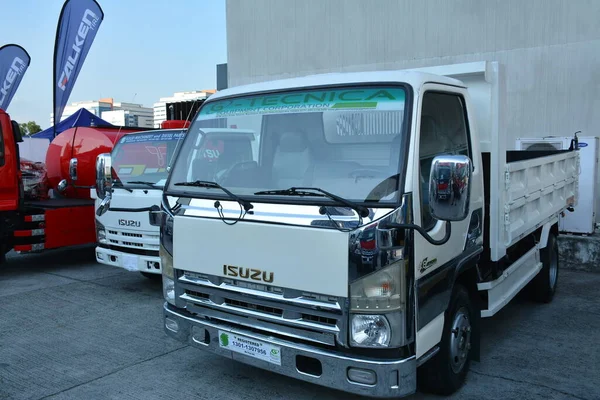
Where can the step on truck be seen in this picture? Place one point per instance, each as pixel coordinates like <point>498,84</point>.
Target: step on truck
<point>65,218</point>
<point>264,262</point>
<point>126,207</point>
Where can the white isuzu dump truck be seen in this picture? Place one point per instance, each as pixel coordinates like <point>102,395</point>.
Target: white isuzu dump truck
<point>333,251</point>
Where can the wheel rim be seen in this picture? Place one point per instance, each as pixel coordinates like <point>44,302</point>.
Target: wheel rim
<point>460,340</point>
<point>553,269</point>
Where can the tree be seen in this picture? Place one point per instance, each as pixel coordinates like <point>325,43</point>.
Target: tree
<point>30,128</point>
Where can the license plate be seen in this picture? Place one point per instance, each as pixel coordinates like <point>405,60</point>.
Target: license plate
<point>130,262</point>
<point>250,347</point>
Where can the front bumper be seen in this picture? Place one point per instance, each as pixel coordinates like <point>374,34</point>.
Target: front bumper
<point>128,261</point>
<point>394,378</point>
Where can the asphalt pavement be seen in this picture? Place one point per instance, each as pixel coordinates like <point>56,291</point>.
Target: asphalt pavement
<point>74,329</point>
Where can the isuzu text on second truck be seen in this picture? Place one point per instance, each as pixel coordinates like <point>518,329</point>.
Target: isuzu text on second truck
<point>264,259</point>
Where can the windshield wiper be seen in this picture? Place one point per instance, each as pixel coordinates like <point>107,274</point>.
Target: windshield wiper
<point>208,184</point>
<point>362,211</point>
<point>151,184</point>
<point>119,184</point>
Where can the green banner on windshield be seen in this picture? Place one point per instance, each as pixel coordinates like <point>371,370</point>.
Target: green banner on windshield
<point>308,101</point>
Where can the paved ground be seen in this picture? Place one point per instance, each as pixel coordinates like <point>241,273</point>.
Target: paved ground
<point>73,329</point>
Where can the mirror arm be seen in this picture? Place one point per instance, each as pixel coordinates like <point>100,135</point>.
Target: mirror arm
<point>422,232</point>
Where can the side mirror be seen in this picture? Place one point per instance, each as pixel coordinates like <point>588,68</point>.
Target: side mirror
<point>62,185</point>
<point>103,175</point>
<point>73,169</point>
<point>449,187</point>
<point>104,205</point>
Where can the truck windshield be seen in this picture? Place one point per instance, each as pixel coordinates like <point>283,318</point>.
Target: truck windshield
<point>347,141</point>
<point>141,159</point>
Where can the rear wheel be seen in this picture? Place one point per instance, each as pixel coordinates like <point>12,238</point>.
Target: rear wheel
<point>446,371</point>
<point>543,286</point>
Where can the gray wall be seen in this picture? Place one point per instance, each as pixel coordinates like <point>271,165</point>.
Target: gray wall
<point>550,49</point>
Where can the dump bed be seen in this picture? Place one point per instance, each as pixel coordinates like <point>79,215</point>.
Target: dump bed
<point>537,190</point>
<point>523,189</point>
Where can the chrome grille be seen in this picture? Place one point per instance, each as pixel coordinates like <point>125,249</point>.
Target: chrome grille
<point>136,235</point>
<point>304,316</point>
<point>133,239</point>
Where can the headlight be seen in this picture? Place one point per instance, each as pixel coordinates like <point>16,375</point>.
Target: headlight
<point>380,291</point>
<point>377,303</point>
<point>168,289</point>
<point>100,233</point>
<point>168,276</point>
<point>370,331</point>
<point>166,261</point>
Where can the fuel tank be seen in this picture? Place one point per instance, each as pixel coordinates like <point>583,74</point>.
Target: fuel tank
<point>84,144</point>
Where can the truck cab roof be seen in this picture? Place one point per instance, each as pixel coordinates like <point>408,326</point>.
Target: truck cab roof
<point>414,78</point>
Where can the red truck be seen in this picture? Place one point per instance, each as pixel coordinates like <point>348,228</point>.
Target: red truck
<point>67,217</point>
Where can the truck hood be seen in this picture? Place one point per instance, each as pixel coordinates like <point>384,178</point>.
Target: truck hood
<point>255,250</point>
<point>133,221</point>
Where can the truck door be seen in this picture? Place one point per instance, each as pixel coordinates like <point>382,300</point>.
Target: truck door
<point>443,129</point>
<point>9,165</point>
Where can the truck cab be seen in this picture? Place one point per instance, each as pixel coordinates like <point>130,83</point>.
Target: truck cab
<point>330,256</point>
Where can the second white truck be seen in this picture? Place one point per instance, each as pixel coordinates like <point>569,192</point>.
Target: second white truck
<point>379,218</point>
<point>125,209</point>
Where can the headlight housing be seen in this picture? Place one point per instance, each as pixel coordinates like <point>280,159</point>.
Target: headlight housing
<point>166,258</point>
<point>377,304</point>
<point>370,330</point>
<point>100,233</point>
<point>168,275</point>
<point>380,291</point>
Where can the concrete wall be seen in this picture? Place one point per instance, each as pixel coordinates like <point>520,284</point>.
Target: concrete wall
<point>550,49</point>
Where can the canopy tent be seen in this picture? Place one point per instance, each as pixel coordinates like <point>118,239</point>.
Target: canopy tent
<point>81,118</point>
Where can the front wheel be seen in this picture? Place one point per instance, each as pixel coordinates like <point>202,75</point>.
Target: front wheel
<point>445,373</point>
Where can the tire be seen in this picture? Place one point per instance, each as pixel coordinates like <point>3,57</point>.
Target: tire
<point>152,277</point>
<point>445,373</point>
<point>543,286</point>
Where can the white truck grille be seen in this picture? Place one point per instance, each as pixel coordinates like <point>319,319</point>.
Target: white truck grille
<point>136,240</point>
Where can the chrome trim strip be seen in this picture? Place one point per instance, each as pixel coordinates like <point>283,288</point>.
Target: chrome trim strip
<point>258,314</point>
<point>273,328</point>
<point>298,301</point>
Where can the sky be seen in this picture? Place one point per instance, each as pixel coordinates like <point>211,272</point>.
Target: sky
<point>144,50</point>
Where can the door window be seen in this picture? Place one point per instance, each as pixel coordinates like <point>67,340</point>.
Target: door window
<point>444,131</point>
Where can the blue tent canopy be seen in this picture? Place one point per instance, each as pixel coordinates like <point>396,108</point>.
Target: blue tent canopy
<point>81,118</point>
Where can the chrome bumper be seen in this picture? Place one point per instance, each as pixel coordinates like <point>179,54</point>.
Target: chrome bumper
<point>393,378</point>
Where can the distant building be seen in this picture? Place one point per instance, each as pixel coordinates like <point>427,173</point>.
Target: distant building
<point>117,113</point>
<point>128,118</point>
<point>160,108</point>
